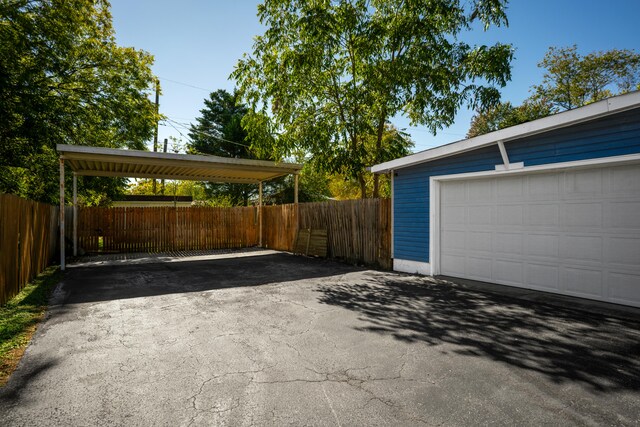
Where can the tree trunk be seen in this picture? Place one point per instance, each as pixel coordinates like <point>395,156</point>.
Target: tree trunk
<point>376,186</point>
<point>363,187</point>
<point>376,178</point>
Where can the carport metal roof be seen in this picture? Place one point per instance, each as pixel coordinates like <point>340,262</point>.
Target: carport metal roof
<point>96,161</point>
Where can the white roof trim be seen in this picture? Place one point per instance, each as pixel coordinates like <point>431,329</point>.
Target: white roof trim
<point>588,112</point>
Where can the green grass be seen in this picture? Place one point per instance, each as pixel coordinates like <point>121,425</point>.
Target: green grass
<point>20,316</point>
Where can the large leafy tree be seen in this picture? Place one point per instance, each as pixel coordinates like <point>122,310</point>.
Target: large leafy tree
<point>328,76</point>
<point>63,79</point>
<point>570,80</point>
<point>218,131</point>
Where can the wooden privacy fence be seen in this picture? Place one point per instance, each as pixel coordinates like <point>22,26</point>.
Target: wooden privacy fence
<point>28,242</point>
<point>358,231</point>
<point>154,229</point>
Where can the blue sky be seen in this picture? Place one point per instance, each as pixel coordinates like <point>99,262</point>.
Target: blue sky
<point>196,44</point>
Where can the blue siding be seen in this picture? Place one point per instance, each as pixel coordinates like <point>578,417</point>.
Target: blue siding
<point>611,136</point>
<point>411,198</point>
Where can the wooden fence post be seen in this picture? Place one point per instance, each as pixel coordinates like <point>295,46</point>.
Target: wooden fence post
<point>62,255</point>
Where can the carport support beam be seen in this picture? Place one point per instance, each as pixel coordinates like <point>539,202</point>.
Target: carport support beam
<point>260,212</point>
<point>295,189</point>
<point>75,215</point>
<point>62,214</point>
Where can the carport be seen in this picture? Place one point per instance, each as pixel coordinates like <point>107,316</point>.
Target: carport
<point>98,161</point>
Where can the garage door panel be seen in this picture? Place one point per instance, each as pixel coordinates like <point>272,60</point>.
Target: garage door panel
<point>543,245</point>
<point>544,215</point>
<point>510,189</point>
<point>509,272</point>
<point>479,241</point>
<point>584,282</point>
<point>454,193</point>
<point>624,215</point>
<point>454,215</point>
<point>583,183</point>
<point>454,265</point>
<point>571,232</point>
<point>623,250</point>
<point>624,287</point>
<point>582,215</point>
<point>625,179</point>
<point>543,276</point>
<point>480,191</point>
<point>481,215</point>
<point>478,268</point>
<point>456,240</point>
<point>582,248</point>
<point>544,187</point>
<point>507,243</point>
<point>511,215</point>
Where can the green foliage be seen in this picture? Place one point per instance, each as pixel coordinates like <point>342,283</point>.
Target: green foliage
<point>63,79</point>
<point>505,114</point>
<point>194,189</point>
<point>19,317</point>
<point>219,132</point>
<point>572,80</point>
<point>327,76</point>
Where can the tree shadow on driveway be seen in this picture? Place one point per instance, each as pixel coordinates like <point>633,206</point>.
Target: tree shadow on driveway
<point>108,283</point>
<point>597,350</point>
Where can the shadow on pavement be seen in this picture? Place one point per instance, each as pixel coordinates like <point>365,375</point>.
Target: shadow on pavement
<point>565,345</point>
<point>115,282</point>
<point>22,377</point>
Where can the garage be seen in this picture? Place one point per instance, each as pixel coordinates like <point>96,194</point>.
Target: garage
<point>550,205</point>
<point>573,232</point>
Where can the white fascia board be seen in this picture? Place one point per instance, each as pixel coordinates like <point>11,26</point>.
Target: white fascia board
<point>566,118</point>
<point>547,167</point>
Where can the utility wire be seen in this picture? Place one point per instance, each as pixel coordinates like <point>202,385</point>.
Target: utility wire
<point>185,84</point>
<point>184,126</point>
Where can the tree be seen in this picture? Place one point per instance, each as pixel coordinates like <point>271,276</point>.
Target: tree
<point>505,114</point>
<point>572,80</point>
<point>328,76</point>
<point>63,79</point>
<point>219,132</point>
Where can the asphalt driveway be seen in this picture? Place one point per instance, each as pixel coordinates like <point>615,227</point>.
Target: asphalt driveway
<point>263,338</point>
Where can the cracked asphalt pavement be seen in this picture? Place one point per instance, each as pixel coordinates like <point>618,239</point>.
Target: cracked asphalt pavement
<point>267,338</point>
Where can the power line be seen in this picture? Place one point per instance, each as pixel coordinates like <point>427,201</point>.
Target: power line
<point>182,125</point>
<point>178,130</point>
<point>185,84</point>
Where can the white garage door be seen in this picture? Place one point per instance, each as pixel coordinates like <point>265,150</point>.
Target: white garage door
<point>575,232</point>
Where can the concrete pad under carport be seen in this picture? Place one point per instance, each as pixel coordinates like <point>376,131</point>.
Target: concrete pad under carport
<point>274,339</point>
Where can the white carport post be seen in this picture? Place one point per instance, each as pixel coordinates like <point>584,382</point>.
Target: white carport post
<point>62,214</point>
<point>75,214</point>
<point>260,212</point>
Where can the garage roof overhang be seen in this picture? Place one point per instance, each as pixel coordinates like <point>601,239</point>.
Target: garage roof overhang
<point>589,112</point>
<point>96,161</point>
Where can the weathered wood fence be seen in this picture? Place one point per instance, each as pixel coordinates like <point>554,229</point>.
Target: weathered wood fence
<point>155,229</point>
<point>358,231</point>
<point>28,242</point>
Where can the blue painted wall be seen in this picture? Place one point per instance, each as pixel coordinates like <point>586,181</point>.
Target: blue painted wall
<point>611,136</point>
